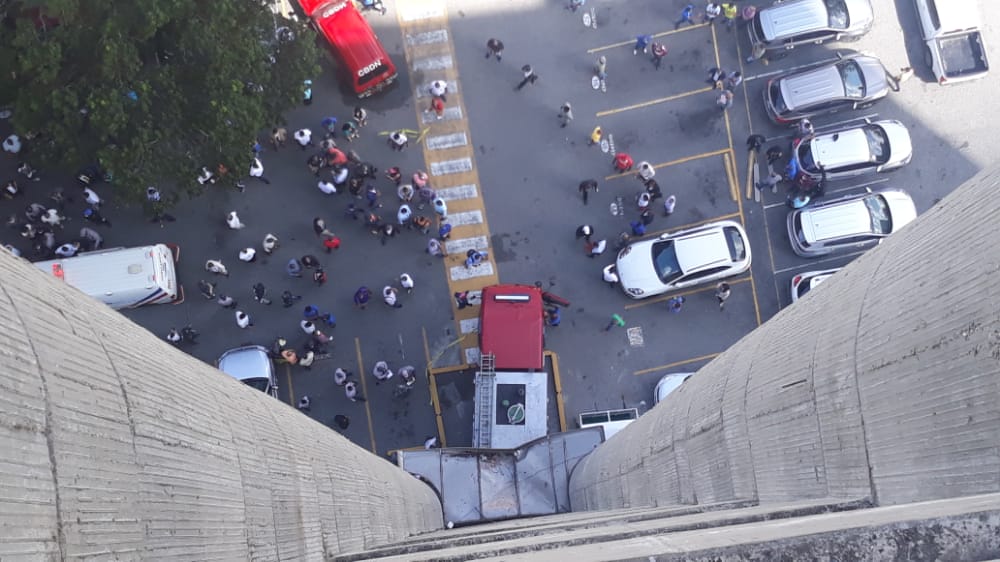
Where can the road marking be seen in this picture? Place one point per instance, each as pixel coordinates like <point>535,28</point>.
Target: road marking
<point>364,390</point>
<point>654,102</point>
<point>451,113</point>
<point>469,325</point>
<point>461,273</point>
<point>463,245</point>
<point>557,380</point>
<point>676,364</point>
<point>465,218</point>
<point>471,355</point>
<point>875,181</point>
<point>728,159</point>
<point>424,91</point>
<point>443,167</point>
<point>667,296</point>
<point>432,389</point>
<point>792,69</point>
<point>635,338</point>
<point>812,262</point>
<point>420,11</point>
<point>291,390</point>
<point>671,163</point>
<point>467,191</point>
<point>657,35</point>
<point>428,37</point>
<point>433,63</point>
<point>441,142</point>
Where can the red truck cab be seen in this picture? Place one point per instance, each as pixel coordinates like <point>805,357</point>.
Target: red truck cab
<point>361,60</point>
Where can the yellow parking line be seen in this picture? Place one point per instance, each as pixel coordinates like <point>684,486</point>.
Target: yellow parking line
<point>291,389</point>
<point>558,384</point>
<point>675,364</point>
<point>653,102</point>
<point>432,388</point>
<point>728,162</point>
<point>753,291</point>
<point>647,302</point>
<point>655,36</point>
<point>364,390</point>
<point>656,233</point>
<point>672,163</point>
<point>751,162</point>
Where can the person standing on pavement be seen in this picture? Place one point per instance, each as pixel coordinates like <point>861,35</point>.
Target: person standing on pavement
<point>398,140</point>
<point>712,11</point>
<point>351,391</point>
<point>226,301</point>
<point>729,14</point>
<point>601,68</point>
<point>340,376</point>
<point>586,186</point>
<point>437,106</point>
<point>439,89</point>
<point>722,292</point>
<point>595,136</point>
<point>668,205</point>
<point>304,138</point>
<point>646,171</point>
<point>248,255</point>
<point>733,80</point>
<point>529,76</point>
<point>675,303</point>
<point>494,48</point>
<point>319,277</point>
<point>381,372</point>
<point>319,227</point>
<point>331,243</point>
<point>257,171</point>
<point>406,282</point>
<point>584,231</point>
<point>293,268</point>
<point>270,243</point>
<point>641,44</point>
<point>611,276</point>
<point>342,421</point>
<point>233,221</point>
<point>686,16</point>
<point>391,296</point>
<point>243,319</point>
<point>565,114</point>
<point>360,116</point>
<point>93,215</point>
<point>724,101</point>
<point>362,296</point>
<point>279,136</point>
<point>659,51</point>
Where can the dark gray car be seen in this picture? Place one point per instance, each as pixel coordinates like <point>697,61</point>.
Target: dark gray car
<point>853,82</point>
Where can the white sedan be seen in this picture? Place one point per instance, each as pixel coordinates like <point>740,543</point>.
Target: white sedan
<point>682,259</point>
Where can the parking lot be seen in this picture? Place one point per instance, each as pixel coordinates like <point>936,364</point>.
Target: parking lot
<point>512,184</point>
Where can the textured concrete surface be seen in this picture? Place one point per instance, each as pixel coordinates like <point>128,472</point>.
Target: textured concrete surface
<point>116,445</point>
<point>882,384</point>
<point>956,529</point>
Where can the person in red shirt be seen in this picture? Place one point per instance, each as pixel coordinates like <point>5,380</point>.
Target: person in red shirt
<point>623,162</point>
<point>331,243</point>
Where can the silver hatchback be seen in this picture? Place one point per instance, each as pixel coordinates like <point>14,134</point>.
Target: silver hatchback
<point>853,82</point>
<point>795,22</point>
<point>853,222</point>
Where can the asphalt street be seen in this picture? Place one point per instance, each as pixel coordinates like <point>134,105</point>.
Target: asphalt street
<point>527,170</point>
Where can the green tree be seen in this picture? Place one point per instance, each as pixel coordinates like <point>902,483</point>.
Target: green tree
<point>151,89</point>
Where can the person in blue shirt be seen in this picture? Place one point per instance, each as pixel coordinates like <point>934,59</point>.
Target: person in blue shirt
<point>686,14</point>
<point>641,44</point>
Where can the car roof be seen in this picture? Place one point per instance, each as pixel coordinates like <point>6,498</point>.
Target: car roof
<point>957,14</point>
<point>793,18</point>
<point>809,87</point>
<point>247,363</point>
<point>837,220</point>
<point>841,148</point>
<point>701,249</point>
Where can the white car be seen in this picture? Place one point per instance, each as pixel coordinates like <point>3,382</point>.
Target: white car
<point>252,366</point>
<point>683,259</point>
<point>805,282</point>
<point>668,384</point>
<point>874,147</point>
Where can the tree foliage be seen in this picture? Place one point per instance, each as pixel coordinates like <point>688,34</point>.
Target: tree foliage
<point>151,89</point>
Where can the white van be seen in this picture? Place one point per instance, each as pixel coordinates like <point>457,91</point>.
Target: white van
<point>612,421</point>
<point>122,277</point>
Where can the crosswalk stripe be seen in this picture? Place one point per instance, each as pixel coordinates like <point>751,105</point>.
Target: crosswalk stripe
<point>466,218</point>
<point>441,142</point>
<point>428,37</point>
<point>467,191</point>
<point>416,11</point>
<point>469,325</point>
<point>424,91</point>
<point>471,355</point>
<point>451,113</point>
<point>463,245</point>
<point>451,166</point>
<point>433,63</point>
<point>460,272</point>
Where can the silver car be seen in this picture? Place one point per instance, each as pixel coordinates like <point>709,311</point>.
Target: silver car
<point>850,223</point>
<point>786,24</point>
<point>877,146</point>
<point>853,82</point>
<point>252,366</point>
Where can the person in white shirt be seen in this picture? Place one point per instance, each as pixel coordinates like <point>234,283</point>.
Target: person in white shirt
<point>646,171</point>
<point>303,137</point>
<point>340,376</point>
<point>248,255</point>
<point>174,336</point>
<point>611,275</point>
<point>404,214</point>
<point>257,171</point>
<point>68,249</point>
<point>204,176</point>
<point>243,319</point>
<point>92,198</point>
<point>439,88</point>
<point>308,327</point>
<point>52,218</point>
<point>389,296</point>
<point>233,220</point>
<point>351,391</point>
<point>398,140</point>
<point>327,187</point>
<point>381,372</point>
<point>340,175</point>
<point>215,266</point>
<point>597,248</point>
<point>12,144</point>
<point>270,242</point>
<point>307,359</point>
<point>407,282</point>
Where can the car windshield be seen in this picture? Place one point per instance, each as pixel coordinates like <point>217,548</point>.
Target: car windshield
<point>260,384</point>
<point>854,80</point>
<point>780,106</point>
<point>805,155</point>
<point>737,249</point>
<point>878,144</point>
<point>665,261</point>
<point>878,208</point>
<point>837,10</point>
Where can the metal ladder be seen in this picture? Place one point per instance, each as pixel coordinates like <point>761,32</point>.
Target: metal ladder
<point>485,379</point>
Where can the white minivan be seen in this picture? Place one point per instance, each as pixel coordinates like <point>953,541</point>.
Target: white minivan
<point>122,277</point>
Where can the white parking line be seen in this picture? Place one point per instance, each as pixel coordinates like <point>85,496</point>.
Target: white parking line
<point>469,325</point>
<point>466,218</point>
<point>792,69</point>
<point>812,263</point>
<point>467,191</point>
<point>428,37</point>
<point>463,245</point>
<point>460,272</point>
<point>433,63</point>
<point>472,355</point>
<point>441,142</point>
<point>420,12</point>
<point>880,179</point>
